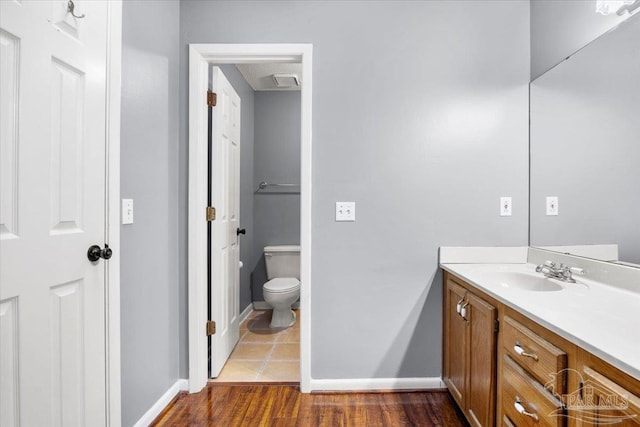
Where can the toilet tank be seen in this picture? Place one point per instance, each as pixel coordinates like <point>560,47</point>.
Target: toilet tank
<point>282,261</point>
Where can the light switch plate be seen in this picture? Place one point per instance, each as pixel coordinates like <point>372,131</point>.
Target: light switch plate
<point>127,211</point>
<point>505,206</point>
<point>345,211</point>
<point>552,205</point>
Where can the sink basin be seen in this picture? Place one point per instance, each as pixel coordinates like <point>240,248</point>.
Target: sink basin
<point>523,281</point>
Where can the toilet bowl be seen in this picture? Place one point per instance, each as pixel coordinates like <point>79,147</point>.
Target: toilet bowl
<point>283,287</point>
<point>280,294</point>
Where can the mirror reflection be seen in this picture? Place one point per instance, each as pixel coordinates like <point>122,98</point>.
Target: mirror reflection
<point>585,150</point>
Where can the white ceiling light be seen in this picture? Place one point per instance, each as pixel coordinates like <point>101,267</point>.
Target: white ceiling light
<point>286,80</point>
<point>607,7</point>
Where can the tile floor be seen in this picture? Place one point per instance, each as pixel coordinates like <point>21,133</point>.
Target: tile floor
<point>264,354</point>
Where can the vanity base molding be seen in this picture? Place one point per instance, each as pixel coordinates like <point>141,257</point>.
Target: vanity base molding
<point>502,368</point>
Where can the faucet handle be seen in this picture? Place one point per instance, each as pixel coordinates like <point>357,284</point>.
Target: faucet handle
<point>550,264</point>
<point>577,270</point>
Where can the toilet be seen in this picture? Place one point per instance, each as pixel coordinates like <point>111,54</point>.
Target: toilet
<point>283,287</point>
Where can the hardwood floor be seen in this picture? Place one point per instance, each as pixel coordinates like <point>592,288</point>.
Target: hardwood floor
<point>231,405</point>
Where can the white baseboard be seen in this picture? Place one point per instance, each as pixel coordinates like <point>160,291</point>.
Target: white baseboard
<point>362,384</point>
<point>162,403</point>
<point>246,312</point>
<point>263,305</point>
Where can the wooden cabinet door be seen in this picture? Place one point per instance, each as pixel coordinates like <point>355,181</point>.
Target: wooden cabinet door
<point>481,383</point>
<point>455,343</point>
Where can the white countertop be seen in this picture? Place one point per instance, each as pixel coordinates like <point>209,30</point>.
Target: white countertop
<point>602,319</point>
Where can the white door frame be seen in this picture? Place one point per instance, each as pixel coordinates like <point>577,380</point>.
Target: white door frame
<point>200,57</point>
<point>112,281</point>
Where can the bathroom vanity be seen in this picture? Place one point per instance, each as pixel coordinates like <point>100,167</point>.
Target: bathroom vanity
<point>521,349</point>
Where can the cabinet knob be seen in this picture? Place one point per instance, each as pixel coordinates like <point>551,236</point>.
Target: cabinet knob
<point>521,410</point>
<point>463,310</point>
<point>521,351</point>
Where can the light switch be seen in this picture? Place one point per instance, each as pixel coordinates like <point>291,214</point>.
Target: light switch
<point>505,206</point>
<point>345,211</point>
<point>552,205</point>
<point>127,211</point>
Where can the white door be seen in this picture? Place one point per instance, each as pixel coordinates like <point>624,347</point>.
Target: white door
<point>52,208</point>
<point>225,197</point>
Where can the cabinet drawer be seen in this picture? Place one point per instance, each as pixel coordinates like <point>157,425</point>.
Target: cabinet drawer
<point>616,405</point>
<point>506,422</point>
<point>525,401</point>
<point>542,359</point>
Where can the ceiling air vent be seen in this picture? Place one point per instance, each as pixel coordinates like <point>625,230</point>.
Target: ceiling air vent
<point>286,80</point>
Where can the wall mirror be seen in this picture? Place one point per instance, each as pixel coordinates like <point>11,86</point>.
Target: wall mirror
<point>585,150</point>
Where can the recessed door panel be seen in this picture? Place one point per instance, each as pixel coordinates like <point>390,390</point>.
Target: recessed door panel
<point>67,348</point>
<point>10,401</point>
<point>66,148</point>
<point>64,21</point>
<point>9,107</point>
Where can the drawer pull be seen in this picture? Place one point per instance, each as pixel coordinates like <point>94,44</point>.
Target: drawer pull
<point>523,411</point>
<point>459,305</point>
<point>518,349</point>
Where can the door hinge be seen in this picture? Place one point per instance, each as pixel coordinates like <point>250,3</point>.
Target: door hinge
<point>496,325</point>
<point>211,213</point>
<point>211,328</point>
<point>212,99</point>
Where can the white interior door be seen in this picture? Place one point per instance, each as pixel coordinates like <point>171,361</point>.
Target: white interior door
<point>52,208</point>
<point>225,196</point>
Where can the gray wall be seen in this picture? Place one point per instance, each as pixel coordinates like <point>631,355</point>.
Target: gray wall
<point>149,152</point>
<point>561,27</point>
<point>584,146</point>
<point>247,109</point>
<point>277,153</point>
<point>420,116</point>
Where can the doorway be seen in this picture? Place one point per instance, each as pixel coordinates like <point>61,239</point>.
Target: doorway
<point>262,112</point>
<point>200,58</point>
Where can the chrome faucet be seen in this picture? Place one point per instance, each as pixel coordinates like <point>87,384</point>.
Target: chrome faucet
<point>563,272</point>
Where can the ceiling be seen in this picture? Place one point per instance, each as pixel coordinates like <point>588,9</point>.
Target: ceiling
<point>259,76</point>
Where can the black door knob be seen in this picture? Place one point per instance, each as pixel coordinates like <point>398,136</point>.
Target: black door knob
<point>95,253</point>
<point>107,252</point>
<point>240,231</point>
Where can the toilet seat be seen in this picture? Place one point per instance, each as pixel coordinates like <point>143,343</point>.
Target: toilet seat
<point>281,285</point>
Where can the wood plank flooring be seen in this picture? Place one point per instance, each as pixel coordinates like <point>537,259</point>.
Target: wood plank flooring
<point>231,405</point>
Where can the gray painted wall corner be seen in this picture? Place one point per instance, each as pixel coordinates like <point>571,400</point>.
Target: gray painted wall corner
<point>150,335</point>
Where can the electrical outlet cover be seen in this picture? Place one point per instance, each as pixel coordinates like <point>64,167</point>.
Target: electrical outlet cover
<point>505,206</point>
<point>552,205</point>
<point>127,211</point>
<point>345,211</point>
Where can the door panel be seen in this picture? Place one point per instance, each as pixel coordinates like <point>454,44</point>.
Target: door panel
<point>482,361</point>
<point>225,188</point>
<point>52,208</point>
<point>9,149</point>
<point>67,344</point>
<point>66,148</point>
<point>455,344</point>
<point>9,359</point>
